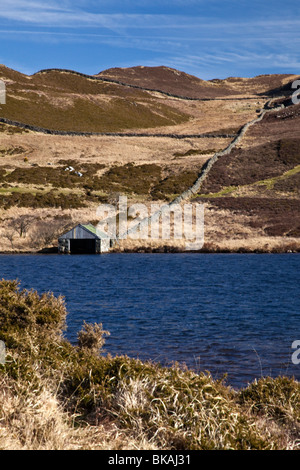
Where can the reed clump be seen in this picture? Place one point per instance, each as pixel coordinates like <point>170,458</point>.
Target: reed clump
<point>58,395</point>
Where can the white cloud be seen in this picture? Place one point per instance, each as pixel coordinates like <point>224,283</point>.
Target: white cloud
<point>224,64</point>
<point>200,45</point>
<point>69,14</point>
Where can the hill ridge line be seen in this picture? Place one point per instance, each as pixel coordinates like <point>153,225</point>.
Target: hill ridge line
<point>117,82</point>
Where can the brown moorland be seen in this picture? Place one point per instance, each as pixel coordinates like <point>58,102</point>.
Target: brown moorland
<point>250,195</point>
<point>179,83</point>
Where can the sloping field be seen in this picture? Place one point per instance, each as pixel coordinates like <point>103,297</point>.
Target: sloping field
<point>69,102</point>
<point>180,83</point>
<point>168,80</point>
<point>259,183</point>
<point>268,85</point>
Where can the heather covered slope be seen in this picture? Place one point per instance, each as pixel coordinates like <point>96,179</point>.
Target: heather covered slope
<point>119,100</point>
<point>64,101</point>
<point>180,83</point>
<point>167,80</point>
<point>259,182</point>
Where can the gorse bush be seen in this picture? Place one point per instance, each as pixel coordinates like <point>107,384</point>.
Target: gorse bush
<point>11,130</point>
<point>23,310</point>
<point>278,398</point>
<point>51,388</point>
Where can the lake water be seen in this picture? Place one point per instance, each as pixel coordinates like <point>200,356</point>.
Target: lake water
<point>226,313</point>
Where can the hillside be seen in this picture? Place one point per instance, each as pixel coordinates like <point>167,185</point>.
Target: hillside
<point>180,83</point>
<point>260,182</point>
<point>151,146</point>
<point>70,102</point>
<point>168,80</point>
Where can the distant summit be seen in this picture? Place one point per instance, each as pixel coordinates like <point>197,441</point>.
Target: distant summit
<point>168,80</point>
<point>179,83</point>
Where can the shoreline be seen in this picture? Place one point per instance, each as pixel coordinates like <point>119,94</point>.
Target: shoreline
<point>72,396</point>
<point>162,250</point>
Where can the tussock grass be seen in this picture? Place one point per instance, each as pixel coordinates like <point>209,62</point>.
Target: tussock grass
<point>54,395</point>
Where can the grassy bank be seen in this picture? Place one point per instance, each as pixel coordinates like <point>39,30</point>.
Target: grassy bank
<point>55,395</point>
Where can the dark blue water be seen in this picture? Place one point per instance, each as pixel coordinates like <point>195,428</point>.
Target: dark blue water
<point>235,314</point>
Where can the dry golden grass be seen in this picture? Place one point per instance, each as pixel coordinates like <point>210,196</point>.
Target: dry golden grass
<point>30,419</point>
<point>33,419</point>
<point>37,420</point>
<point>43,149</point>
<point>54,395</point>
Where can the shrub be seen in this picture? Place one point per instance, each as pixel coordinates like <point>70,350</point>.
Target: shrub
<point>194,152</point>
<point>23,311</point>
<point>50,199</point>
<point>91,337</point>
<point>278,398</point>
<point>174,184</point>
<point>11,130</point>
<point>128,178</point>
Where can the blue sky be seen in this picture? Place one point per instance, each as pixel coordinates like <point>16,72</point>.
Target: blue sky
<point>209,39</point>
